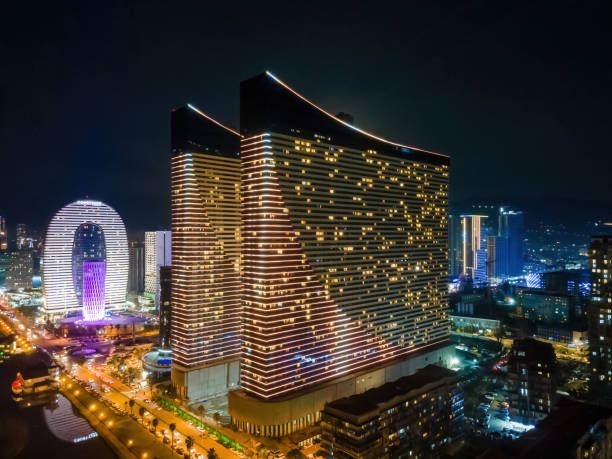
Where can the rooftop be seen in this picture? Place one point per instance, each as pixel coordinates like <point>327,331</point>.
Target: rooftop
<point>365,402</point>
<point>557,435</point>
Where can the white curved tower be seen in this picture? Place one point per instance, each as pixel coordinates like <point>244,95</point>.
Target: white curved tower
<point>58,255</point>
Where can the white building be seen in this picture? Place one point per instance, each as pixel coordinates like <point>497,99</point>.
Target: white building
<point>60,291</point>
<point>157,253</point>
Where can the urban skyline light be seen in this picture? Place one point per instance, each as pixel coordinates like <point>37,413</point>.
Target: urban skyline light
<point>306,231</point>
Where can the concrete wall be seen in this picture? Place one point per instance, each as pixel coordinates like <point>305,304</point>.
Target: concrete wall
<point>202,383</point>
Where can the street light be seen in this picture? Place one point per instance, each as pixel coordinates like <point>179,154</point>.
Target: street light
<point>130,442</point>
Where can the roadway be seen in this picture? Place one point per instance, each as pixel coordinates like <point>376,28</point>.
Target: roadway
<point>122,394</point>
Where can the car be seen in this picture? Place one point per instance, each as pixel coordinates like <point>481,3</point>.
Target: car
<point>166,440</point>
<point>179,450</point>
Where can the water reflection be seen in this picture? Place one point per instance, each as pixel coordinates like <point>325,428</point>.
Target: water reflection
<point>65,423</point>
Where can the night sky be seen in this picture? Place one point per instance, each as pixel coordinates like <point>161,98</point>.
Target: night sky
<point>518,94</point>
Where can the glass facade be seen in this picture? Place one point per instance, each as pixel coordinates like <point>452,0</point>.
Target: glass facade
<point>88,245</point>
<point>93,290</point>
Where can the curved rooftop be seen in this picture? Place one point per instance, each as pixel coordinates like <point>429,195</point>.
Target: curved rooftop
<point>267,104</point>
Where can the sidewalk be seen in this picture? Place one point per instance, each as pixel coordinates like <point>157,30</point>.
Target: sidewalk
<point>165,418</point>
<point>127,439</point>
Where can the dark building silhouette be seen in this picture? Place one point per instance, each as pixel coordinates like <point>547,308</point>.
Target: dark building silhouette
<point>136,279</point>
<point>165,305</point>
<point>600,318</point>
<point>531,379</point>
<point>572,430</point>
<point>19,270</point>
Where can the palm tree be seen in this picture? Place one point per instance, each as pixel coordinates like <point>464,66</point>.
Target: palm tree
<point>201,411</point>
<point>172,429</point>
<point>216,417</point>
<point>141,411</point>
<point>189,445</point>
<point>131,405</point>
<point>155,422</point>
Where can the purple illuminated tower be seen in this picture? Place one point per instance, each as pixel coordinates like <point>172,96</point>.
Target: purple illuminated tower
<point>94,276</point>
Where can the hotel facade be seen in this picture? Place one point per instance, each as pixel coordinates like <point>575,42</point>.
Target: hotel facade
<point>85,260</point>
<point>344,259</point>
<point>205,286</point>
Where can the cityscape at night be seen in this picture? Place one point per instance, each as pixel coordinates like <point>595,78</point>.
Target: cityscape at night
<point>335,231</point>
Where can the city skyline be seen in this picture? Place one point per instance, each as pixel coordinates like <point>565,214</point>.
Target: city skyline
<point>467,87</point>
<point>294,231</point>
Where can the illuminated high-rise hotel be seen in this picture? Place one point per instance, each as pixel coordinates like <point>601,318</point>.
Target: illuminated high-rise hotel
<point>205,306</point>
<point>345,259</point>
<point>85,260</point>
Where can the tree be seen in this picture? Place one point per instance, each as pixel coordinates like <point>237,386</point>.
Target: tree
<point>150,382</point>
<point>201,410</point>
<point>216,417</point>
<point>172,429</point>
<point>155,423</point>
<point>500,332</point>
<point>131,405</point>
<point>212,454</point>
<point>132,374</point>
<point>189,444</point>
<point>141,411</point>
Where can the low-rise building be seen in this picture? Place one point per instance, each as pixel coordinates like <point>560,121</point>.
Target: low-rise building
<point>561,333</point>
<point>531,367</point>
<point>37,379</point>
<point>546,306</point>
<point>473,314</point>
<point>412,416</point>
<point>469,324</point>
<point>572,430</point>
